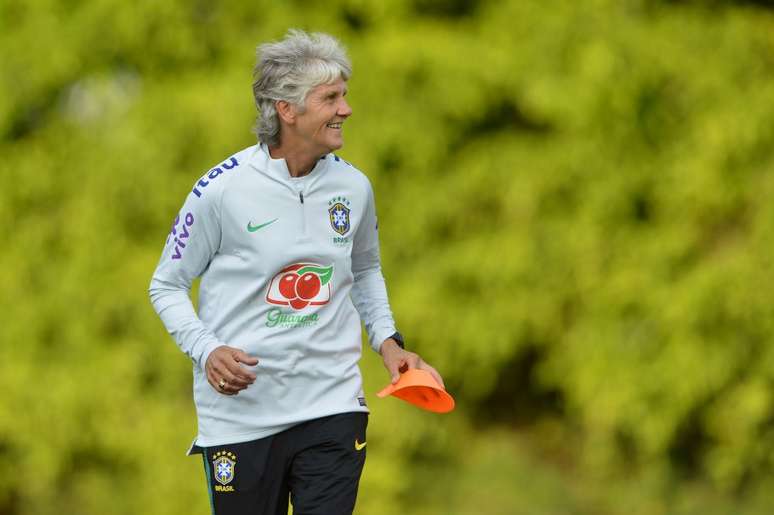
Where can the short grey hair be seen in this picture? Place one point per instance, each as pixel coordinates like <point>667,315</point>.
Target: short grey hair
<point>288,69</point>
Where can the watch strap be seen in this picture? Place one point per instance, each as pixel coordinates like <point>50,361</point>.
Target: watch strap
<point>398,339</point>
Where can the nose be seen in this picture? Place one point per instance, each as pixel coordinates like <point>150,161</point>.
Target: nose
<point>344,109</point>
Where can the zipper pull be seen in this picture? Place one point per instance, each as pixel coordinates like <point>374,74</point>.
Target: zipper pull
<point>301,197</point>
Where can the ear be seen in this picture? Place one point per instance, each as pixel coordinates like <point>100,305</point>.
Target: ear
<point>286,111</point>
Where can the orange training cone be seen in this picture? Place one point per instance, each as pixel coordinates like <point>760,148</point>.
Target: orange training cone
<point>420,389</point>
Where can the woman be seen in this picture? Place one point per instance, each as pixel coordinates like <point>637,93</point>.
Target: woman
<point>284,237</point>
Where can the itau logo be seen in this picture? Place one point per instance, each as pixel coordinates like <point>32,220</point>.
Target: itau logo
<point>301,285</point>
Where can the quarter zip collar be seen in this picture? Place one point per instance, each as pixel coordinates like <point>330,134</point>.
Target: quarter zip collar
<point>277,169</point>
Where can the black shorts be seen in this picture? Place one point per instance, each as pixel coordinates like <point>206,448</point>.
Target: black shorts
<point>317,464</point>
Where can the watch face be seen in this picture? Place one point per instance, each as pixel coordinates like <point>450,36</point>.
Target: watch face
<point>398,338</point>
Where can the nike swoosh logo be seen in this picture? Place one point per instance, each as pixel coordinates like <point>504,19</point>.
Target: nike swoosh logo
<point>359,446</point>
<point>253,228</point>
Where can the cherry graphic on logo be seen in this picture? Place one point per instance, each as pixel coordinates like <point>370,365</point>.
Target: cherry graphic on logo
<point>308,286</point>
<point>299,303</point>
<point>300,285</point>
<point>287,285</point>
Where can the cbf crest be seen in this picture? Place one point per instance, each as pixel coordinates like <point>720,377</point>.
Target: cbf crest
<point>338,213</point>
<point>224,464</point>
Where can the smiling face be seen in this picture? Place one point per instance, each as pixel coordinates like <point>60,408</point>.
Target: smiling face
<point>319,128</point>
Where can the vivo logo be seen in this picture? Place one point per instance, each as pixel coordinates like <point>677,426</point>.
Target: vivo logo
<point>181,234</point>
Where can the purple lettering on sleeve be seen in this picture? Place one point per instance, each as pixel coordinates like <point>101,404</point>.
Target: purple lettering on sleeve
<point>213,174</point>
<point>183,234</point>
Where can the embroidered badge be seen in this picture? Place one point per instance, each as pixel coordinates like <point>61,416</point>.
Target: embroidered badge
<point>224,464</point>
<point>338,214</point>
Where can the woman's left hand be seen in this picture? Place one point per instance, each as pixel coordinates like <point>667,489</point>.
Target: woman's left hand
<point>397,360</point>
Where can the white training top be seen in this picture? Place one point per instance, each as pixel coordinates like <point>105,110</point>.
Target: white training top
<point>286,265</point>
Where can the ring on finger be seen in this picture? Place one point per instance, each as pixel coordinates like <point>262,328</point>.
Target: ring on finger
<point>222,383</point>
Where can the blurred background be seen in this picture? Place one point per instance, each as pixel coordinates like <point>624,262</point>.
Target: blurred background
<point>576,224</point>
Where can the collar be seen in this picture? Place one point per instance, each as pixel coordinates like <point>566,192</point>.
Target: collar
<point>262,161</point>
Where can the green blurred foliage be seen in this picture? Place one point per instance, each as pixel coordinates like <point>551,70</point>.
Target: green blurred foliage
<point>574,203</point>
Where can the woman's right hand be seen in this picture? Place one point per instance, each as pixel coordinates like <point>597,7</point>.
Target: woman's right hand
<point>225,371</point>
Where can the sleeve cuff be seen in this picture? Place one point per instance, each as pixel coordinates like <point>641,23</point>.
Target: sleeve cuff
<point>379,336</point>
<point>206,353</point>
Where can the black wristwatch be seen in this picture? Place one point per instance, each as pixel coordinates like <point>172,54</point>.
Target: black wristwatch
<point>398,339</point>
